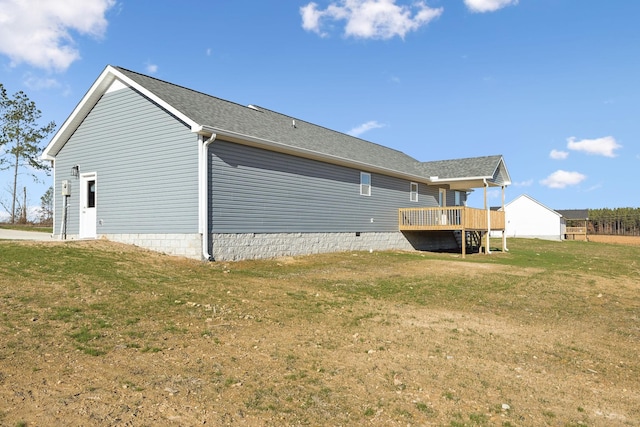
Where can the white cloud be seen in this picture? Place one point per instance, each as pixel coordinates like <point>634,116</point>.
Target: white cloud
<point>481,6</point>
<point>151,68</point>
<point>38,32</point>
<point>558,155</point>
<point>369,19</point>
<point>494,194</point>
<point>311,18</point>
<point>365,127</point>
<point>562,179</point>
<point>527,183</point>
<point>38,83</point>
<point>601,146</point>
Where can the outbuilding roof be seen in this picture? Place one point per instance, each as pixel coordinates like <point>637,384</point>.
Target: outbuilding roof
<point>579,214</point>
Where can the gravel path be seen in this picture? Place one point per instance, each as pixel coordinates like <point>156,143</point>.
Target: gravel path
<point>24,235</point>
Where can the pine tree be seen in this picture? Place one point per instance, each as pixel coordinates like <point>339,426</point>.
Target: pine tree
<point>20,136</point>
<point>46,207</point>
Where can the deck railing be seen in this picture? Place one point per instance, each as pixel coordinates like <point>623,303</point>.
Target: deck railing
<point>449,218</point>
<point>575,233</point>
<point>576,230</point>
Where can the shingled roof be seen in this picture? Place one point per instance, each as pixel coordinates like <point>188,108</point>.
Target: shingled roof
<point>217,115</point>
<point>262,123</point>
<point>468,167</point>
<point>577,214</point>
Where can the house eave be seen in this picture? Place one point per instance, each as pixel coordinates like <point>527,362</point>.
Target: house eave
<point>279,147</point>
<point>466,183</point>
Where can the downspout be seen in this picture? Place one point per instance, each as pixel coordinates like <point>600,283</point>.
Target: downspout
<point>486,205</point>
<point>204,196</point>
<point>53,214</point>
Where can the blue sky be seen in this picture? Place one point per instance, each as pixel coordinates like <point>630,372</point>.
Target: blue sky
<point>552,85</point>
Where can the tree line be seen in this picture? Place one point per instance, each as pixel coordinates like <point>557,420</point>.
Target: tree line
<point>618,221</point>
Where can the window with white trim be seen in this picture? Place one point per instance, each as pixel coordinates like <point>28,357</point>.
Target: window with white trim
<point>413,192</point>
<point>365,184</point>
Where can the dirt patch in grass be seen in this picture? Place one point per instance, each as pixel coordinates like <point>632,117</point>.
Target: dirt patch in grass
<point>95,333</point>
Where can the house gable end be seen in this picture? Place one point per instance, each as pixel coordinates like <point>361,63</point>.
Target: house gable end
<point>144,172</point>
<point>531,201</point>
<point>501,175</point>
<point>111,79</point>
<point>467,173</point>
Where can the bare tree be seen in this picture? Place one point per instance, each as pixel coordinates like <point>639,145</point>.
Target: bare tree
<point>21,136</point>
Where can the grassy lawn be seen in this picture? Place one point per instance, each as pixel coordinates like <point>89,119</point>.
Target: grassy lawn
<point>26,227</point>
<point>96,333</point>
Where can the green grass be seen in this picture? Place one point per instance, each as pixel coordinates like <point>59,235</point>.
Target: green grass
<point>100,300</point>
<point>115,285</point>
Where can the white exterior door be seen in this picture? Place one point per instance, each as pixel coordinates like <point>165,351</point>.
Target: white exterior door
<point>88,199</point>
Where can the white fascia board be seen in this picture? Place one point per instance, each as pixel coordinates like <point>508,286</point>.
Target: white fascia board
<point>473,181</point>
<point>301,152</point>
<point>523,195</point>
<point>507,181</point>
<point>126,80</point>
<point>514,200</point>
<point>78,114</point>
<point>91,98</point>
<point>542,204</point>
<point>466,178</point>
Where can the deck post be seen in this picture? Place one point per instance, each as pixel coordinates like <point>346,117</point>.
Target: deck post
<point>504,228</point>
<point>464,243</point>
<point>487,251</point>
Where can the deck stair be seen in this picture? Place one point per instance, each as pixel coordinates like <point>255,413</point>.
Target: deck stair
<point>473,240</point>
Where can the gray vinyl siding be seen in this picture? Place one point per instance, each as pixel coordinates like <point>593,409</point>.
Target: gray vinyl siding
<point>146,162</point>
<point>451,197</point>
<point>259,191</point>
<point>500,176</point>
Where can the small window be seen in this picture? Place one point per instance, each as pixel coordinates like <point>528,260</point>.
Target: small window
<point>414,192</point>
<point>91,194</point>
<point>365,184</point>
<point>458,198</point>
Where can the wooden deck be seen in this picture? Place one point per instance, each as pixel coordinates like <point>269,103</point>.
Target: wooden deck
<point>575,233</point>
<point>449,218</point>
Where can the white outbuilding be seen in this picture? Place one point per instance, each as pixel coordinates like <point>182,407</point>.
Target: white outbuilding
<point>526,217</point>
